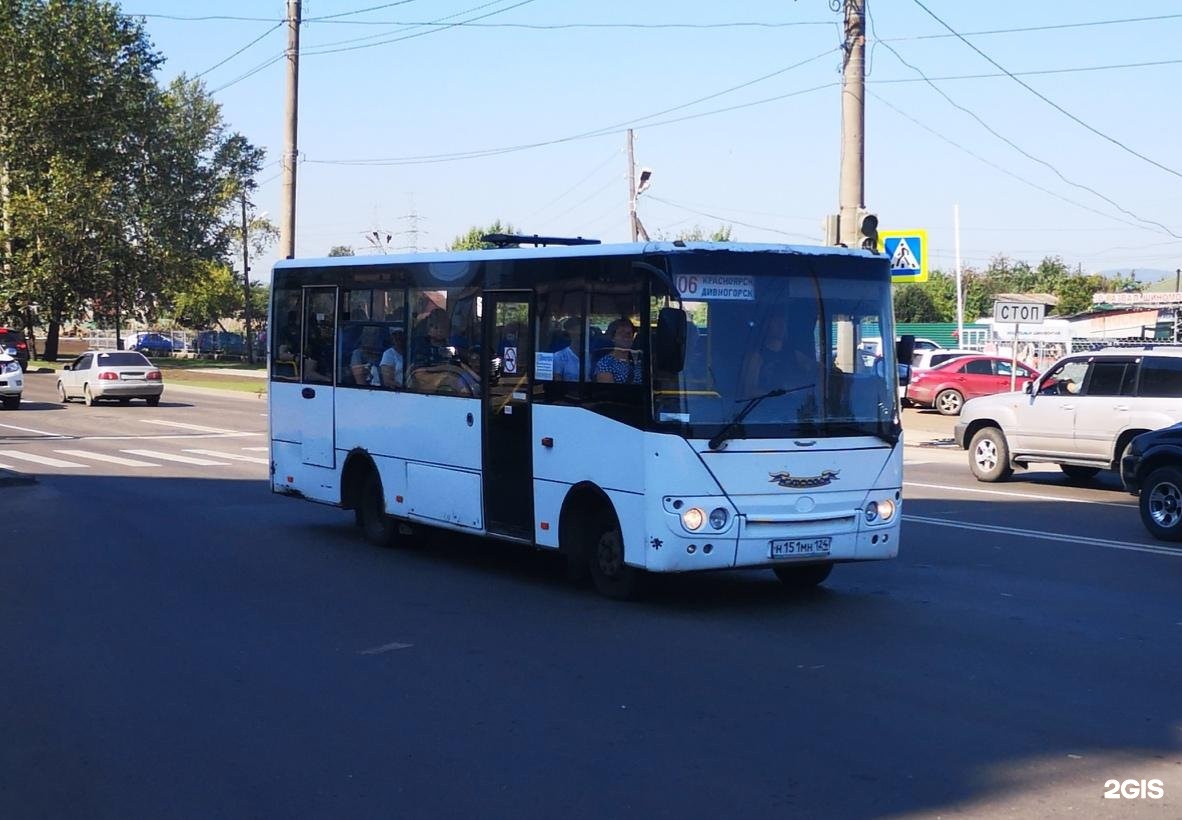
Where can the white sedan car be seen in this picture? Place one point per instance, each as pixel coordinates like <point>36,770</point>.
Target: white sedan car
<point>12,382</point>
<point>110,374</point>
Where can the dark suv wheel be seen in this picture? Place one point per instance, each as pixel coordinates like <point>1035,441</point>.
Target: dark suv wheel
<point>1161,503</point>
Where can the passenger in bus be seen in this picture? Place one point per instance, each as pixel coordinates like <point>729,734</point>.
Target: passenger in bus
<point>363,363</point>
<point>620,365</point>
<point>782,360</point>
<point>391,364</point>
<point>566,347</point>
<point>433,348</point>
<point>318,363</point>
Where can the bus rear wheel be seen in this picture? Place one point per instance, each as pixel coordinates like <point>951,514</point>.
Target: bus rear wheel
<point>611,576</point>
<point>803,577</point>
<point>379,529</point>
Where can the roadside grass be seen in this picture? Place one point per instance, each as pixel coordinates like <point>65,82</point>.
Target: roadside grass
<point>190,372</point>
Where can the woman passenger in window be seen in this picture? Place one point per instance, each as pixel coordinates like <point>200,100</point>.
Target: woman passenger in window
<point>619,366</point>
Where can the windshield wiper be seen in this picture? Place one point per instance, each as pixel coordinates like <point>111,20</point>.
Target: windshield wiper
<point>721,436</point>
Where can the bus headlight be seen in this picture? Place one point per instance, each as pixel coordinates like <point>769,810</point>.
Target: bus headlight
<point>718,517</point>
<point>880,511</point>
<point>692,519</point>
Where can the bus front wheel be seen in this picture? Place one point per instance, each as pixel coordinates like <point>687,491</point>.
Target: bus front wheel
<point>803,577</point>
<point>379,529</point>
<point>612,577</point>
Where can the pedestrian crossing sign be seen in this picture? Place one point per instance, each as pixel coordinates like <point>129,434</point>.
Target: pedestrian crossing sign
<point>908,253</point>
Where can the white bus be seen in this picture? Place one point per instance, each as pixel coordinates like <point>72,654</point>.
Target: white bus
<point>660,407</point>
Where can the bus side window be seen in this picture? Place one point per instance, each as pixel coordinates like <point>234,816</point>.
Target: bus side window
<point>285,354</point>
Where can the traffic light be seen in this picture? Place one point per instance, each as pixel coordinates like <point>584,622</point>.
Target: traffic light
<point>868,230</point>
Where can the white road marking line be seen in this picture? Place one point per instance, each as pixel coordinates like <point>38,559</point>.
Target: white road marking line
<point>9,467</point>
<point>1047,536</point>
<point>185,436</point>
<point>184,426</point>
<point>126,462</point>
<point>389,647</point>
<point>1025,496</point>
<point>231,456</point>
<point>201,462</point>
<point>257,449</point>
<point>38,432</point>
<point>46,460</point>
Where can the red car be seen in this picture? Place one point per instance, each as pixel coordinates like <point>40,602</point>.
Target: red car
<point>949,385</point>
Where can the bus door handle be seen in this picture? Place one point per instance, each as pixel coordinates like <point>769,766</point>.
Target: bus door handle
<point>308,393</point>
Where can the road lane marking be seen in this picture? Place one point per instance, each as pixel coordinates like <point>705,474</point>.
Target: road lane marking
<point>1047,536</point>
<point>257,449</point>
<point>231,456</point>
<point>126,462</point>
<point>184,426</point>
<point>159,436</point>
<point>389,647</point>
<point>38,432</point>
<point>200,462</point>
<point>1024,496</point>
<point>46,460</point>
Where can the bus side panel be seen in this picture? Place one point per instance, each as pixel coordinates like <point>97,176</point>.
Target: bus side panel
<point>587,447</point>
<point>292,472</point>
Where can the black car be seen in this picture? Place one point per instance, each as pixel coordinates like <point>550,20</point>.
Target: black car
<point>1152,468</point>
<point>13,343</point>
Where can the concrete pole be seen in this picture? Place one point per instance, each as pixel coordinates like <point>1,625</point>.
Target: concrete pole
<point>852,191</point>
<point>959,279</point>
<point>632,190</point>
<point>246,283</point>
<point>290,149</point>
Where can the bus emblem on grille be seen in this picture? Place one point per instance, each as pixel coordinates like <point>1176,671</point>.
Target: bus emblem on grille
<point>786,479</point>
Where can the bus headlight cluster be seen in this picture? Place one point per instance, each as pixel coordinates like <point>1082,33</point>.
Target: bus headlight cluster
<point>880,511</point>
<point>694,518</point>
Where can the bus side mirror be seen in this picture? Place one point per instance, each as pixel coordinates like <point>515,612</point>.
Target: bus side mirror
<point>1028,388</point>
<point>669,345</point>
<point>904,348</point>
<point>904,375</point>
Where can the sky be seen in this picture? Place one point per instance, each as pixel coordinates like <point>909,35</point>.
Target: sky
<point>1052,128</point>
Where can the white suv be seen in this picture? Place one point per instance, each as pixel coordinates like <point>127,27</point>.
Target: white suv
<point>12,382</point>
<point>1080,414</point>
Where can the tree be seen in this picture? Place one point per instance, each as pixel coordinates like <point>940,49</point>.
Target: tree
<point>97,155</point>
<point>913,303</point>
<point>471,240</point>
<point>341,250</point>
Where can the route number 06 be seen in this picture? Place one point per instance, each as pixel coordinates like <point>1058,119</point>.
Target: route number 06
<point>687,285</point>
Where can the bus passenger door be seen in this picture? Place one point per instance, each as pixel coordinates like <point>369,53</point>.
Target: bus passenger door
<point>508,453</point>
<point>316,403</point>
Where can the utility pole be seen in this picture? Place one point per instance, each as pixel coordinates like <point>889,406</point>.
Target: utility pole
<point>852,188</point>
<point>634,223</point>
<point>246,282</point>
<point>290,149</point>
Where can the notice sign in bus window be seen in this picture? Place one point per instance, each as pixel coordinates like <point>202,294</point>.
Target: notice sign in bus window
<point>705,288</point>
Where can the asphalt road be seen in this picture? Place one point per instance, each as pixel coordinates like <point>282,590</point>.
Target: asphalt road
<point>176,642</point>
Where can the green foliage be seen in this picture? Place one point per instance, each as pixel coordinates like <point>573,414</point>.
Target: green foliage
<point>120,190</point>
<point>698,234</point>
<point>341,250</point>
<point>981,288</point>
<point>471,240</point>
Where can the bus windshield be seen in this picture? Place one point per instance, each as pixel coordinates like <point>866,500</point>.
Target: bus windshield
<point>787,328</point>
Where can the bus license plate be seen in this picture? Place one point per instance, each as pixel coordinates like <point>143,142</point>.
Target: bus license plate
<point>799,547</point>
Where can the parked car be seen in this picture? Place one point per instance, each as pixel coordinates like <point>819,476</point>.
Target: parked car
<point>1081,414</point>
<point>873,345</point>
<point>209,342</point>
<point>948,385</point>
<point>110,374</point>
<point>1152,468</point>
<point>153,344</point>
<point>12,382</point>
<point>12,343</point>
<point>930,357</point>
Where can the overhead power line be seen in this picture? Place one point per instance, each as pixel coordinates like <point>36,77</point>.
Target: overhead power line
<point>1047,99</point>
<point>239,51</point>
